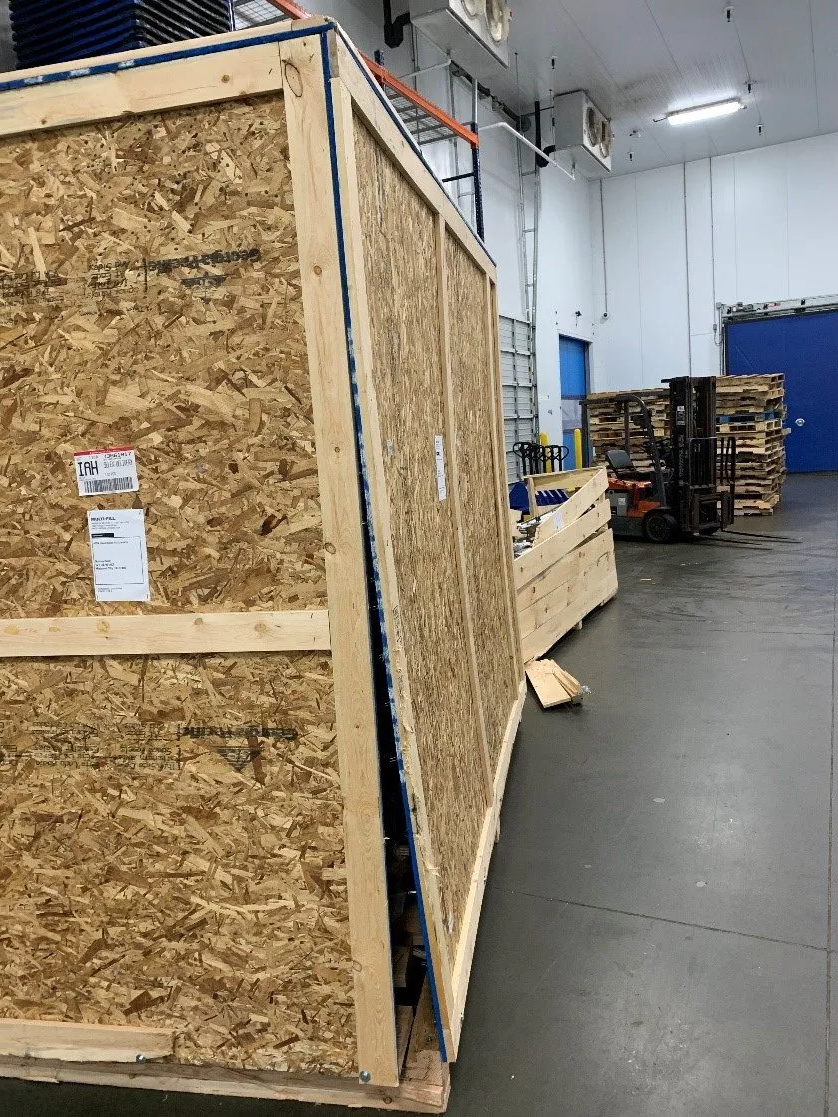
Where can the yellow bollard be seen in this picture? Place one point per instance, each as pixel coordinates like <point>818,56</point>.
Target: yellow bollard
<point>545,441</point>
<point>577,446</point>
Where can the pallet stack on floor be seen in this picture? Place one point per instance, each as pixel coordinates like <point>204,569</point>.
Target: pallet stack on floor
<point>607,425</point>
<point>750,408</point>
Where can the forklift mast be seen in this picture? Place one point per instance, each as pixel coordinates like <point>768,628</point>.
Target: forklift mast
<point>704,463</point>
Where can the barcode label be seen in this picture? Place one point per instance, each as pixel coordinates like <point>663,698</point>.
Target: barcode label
<point>107,485</point>
<point>99,472</point>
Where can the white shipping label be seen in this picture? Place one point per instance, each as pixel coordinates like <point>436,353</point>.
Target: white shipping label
<point>441,483</point>
<point>100,472</point>
<point>120,555</point>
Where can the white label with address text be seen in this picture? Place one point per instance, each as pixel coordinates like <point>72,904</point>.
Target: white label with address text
<point>101,472</point>
<point>441,483</point>
<point>120,554</point>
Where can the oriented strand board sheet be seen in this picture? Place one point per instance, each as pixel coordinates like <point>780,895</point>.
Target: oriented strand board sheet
<point>170,829</point>
<point>484,534</point>
<point>171,854</point>
<point>398,233</point>
<point>150,297</point>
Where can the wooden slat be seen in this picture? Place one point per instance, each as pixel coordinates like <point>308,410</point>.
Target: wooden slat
<point>533,563</point>
<point>488,837</point>
<point>83,1043</point>
<point>309,143</point>
<point>565,594</point>
<point>47,103</point>
<point>412,1096</point>
<point>602,589</point>
<point>552,686</point>
<point>532,597</point>
<point>567,513</point>
<point>166,634</point>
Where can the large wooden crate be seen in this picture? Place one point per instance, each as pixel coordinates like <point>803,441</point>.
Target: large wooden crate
<point>228,255</point>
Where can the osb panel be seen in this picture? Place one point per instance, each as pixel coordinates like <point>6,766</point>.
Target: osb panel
<point>402,283</point>
<point>150,296</point>
<point>473,384</point>
<point>171,854</point>
<point>171,842</point>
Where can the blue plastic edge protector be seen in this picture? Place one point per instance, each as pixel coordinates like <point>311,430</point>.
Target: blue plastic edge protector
<point>164,56</point>
<point>376,88</point>
<point>362,458</point>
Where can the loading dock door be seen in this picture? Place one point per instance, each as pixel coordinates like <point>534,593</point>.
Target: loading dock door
<point>805,348</point>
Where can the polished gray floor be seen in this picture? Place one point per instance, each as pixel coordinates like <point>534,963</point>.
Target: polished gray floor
<point>656,936</point>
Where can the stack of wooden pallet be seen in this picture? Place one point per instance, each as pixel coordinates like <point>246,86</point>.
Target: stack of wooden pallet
<point>607,425</point>
<point>566,569</point>
<point>751,408</point>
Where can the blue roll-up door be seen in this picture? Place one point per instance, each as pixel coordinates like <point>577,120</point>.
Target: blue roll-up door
<point>805,348</point>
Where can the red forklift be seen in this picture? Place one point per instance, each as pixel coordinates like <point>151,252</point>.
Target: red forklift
<point>689,489</point>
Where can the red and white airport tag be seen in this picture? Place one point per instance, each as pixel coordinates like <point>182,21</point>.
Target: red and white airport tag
<point>102,472</point>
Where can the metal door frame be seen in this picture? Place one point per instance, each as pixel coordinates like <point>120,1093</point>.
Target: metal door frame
<point>728,315</point>
<point>586,433</point>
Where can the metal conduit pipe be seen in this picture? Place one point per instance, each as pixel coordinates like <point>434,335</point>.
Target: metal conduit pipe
<point>527,143</point>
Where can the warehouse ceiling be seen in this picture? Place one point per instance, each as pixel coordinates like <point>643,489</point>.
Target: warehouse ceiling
<point>642,58</point>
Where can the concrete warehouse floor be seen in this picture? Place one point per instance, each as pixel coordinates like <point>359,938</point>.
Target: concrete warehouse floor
<point>657,933</point>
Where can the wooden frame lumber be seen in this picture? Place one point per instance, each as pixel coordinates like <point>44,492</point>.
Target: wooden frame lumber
<point>572,481</point>
<point>465,954</point>
<point>236,64</point>
<point>320,263</point>
<point>533,563</point>
<point>394,138</point>
<point>83,1043</point>
<point>165,634</point>
<point>589,591</point>
<point>552,686</point>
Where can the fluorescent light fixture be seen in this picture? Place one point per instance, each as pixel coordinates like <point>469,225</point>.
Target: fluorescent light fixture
<point>705,112</point>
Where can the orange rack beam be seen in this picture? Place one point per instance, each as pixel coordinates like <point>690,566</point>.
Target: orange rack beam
<point>396,84</point>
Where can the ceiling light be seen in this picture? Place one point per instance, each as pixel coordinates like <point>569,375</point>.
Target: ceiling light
<point>705,112</point>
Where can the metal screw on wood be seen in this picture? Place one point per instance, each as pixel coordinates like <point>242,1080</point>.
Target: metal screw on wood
<point>365,1076</point>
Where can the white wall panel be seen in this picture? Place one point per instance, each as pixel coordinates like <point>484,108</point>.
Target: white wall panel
<point>662,259</point>
<point>813,232</point>
<point>701,284</point>
<point>722,231</point>
<point>619,346</point>
<point>762,236</point>
<point>760,227</point>
<point>565,284</point>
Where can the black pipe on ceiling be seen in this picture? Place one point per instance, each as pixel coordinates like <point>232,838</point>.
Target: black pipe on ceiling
<point>394,29</point>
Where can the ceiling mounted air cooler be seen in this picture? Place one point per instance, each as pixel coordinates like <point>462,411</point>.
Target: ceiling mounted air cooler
<point>473,32</point>
<point>585,131</point>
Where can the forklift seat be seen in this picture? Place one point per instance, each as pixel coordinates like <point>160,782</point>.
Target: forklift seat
<point>622,466</point>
